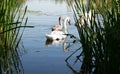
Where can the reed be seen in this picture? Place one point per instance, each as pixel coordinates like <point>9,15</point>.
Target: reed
<point>11,22</point>
<point>99,35</point>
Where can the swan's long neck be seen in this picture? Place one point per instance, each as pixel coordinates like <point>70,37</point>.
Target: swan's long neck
<point>65,26</point>
<point>60,21</point>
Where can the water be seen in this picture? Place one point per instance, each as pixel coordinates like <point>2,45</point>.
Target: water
<point>39,58</point>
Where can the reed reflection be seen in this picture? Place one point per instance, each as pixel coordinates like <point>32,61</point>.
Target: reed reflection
<point>73,69</point>
<point>11,63</point>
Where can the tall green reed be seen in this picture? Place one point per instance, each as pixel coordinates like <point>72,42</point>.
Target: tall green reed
<point>99,35</point>
<point>11,22</point>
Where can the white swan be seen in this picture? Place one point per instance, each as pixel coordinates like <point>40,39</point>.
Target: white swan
<point>58,27</point>
<point>59,35</point>
<point>56,35</point>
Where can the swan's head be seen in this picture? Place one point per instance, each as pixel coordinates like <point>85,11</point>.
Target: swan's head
<point>68,20</point>
<point>60,18</point>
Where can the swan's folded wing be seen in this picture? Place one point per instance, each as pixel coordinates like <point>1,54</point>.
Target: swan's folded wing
<point>52,36</point>
<point>49,36</point>
<point>56,35</point>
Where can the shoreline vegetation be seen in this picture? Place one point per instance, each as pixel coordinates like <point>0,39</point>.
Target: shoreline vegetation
<point>99,34</point>
<point>11,29</point>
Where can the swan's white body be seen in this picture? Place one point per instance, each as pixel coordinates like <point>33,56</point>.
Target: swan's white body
<point>56,35</point>
<point>59,35</point>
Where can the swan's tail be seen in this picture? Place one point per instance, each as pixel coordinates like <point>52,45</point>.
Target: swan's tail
<point>49,37</point>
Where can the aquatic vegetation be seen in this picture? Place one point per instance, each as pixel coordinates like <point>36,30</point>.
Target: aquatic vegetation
<point>11,22</point>
<point>31,11</point>
<point>99,35</point>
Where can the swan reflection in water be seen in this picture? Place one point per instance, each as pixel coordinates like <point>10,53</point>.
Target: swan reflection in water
<point>57,42</point>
